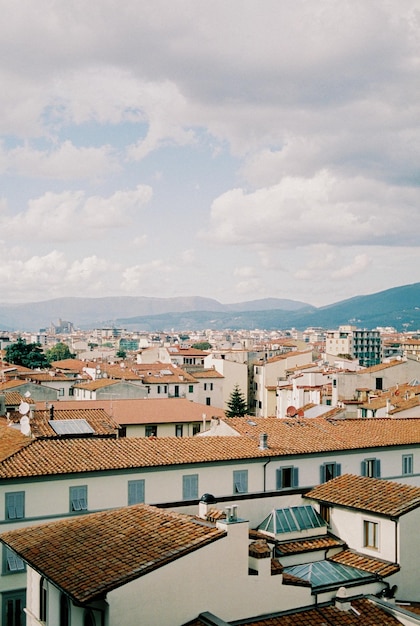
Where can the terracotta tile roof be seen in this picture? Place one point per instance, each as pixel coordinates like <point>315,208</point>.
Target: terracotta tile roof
<point>295,436</point>
<point>299,546</point>
<point>11,384</point>
<point>368,494</point>
<point>304,435</point>
<point>92,554</point>
<point>98,419</point>
<point>101,383</point>
<point>48,377</point>
<point>379,367</point>
<point>286,355</point>
<point>62,456</point>
<point>369,615</point>
<point>14,398</point>
<point>72,365</point>
<point>259,549</point>
<point>147,410</point>
<point>210,373</point>
<point>11,440</point>
<point>365,563</point>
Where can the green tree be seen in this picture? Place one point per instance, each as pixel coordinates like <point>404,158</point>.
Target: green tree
<point>236,404</point>
<point>59,352</point>
<point>26,354</point>
<point>121,353</point>
<point>202,345</point>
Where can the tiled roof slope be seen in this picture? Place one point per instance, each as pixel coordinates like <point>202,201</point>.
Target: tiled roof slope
<point>11,440</point>
<point>368,615</point>
<point>288,437</point>
<point>365,563</point>
<point>301,435</point>
<point>98,419</point>
<point>92,554</point>
<point>368,494</point>
<point>148,410</point>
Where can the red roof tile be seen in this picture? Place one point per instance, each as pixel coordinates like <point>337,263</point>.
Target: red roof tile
<point>365,563</point>
<point>92,554</point>
<point>368,494</point>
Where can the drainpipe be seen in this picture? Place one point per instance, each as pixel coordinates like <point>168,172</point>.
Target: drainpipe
<point>264,466</point>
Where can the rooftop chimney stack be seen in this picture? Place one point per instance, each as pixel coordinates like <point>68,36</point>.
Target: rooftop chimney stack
<point>263,441</point>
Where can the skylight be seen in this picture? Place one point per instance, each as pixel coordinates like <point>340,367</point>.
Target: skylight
<point>292,519</point>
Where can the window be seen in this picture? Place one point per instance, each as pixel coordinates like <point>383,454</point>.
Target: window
<point>196,429</point>
<point>329,471</point>
<point>78,499</point>
<point>371,468</point>
<point>135,491</point>
<point>407,464</point>
<point>334,382</point>
<point>151,430</point>
<point>61,391</point>
<point>88,618</point>
<point>13,603</point>
<point>287,477</point>
<point>208,401</point>
<point>64,611</point>
<point>379,384</point>
<point>370,534</point>
<point>158,388</point>
<point>205,386</point>
<point>12,563</point>
<point>190,388</point>
<point>43,599</point>
<point>15,505</point>
<point>190,487</point>
<point>325,512</point>
<point>179,429</point>
<point>240,481</point>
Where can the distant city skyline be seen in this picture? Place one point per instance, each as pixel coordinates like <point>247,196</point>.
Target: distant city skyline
<point>234,151</point>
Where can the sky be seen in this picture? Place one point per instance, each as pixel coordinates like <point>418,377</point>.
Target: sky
<point>230,149</point>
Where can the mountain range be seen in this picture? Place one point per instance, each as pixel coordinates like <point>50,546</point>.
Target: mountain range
<point>398,307</point>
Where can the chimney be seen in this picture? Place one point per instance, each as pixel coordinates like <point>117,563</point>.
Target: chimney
<point>206,500</point>
<point>342,602</point>
<point>263,441</point>
<point>51,412</point>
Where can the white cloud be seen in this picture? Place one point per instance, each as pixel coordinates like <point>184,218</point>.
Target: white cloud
<point>67,162</point>
<point>325,208</point>
<point>71,215</point>
<point>358,265</point>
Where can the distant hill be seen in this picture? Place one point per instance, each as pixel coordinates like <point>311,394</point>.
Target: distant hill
<point>398,307</point>
<point>94,312</point>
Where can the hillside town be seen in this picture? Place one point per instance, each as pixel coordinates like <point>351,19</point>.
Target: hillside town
<point>276,474</point>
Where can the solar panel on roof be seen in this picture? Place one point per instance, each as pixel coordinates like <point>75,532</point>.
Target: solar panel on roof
<point>71,427</point>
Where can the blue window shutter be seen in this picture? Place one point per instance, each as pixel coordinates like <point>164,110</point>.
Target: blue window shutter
<point>338,469</point>
<point>363,469</point>
<point>322,474</point>
<point>278,479</point>
<point>295,477</point>
<point>377,468</point>
<point>135,491</point>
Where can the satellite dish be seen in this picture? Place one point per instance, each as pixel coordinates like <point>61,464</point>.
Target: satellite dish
<point>291,411</point>
<point>27,394</point>
<point>23,408</point>
<point>25,429</point>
